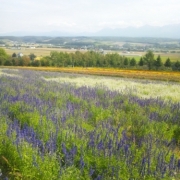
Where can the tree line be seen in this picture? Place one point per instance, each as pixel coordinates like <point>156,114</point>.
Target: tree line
<point>90,59</point>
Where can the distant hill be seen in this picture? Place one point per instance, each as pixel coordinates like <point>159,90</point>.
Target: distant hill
<point>168,31</point>
<point>38,34</point>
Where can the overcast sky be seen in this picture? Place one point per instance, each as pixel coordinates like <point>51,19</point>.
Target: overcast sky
<point>85,15</point>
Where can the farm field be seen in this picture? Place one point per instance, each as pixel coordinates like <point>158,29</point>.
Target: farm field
<point>37,51</point>
<point>41,52</point>
<point>173,56</point>
<point>69,126</point>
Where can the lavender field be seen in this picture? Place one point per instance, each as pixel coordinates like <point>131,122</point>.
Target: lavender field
<point>53,126</point>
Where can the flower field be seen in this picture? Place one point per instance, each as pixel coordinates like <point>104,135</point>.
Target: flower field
<point>55,127</point>
<point>125,73</point>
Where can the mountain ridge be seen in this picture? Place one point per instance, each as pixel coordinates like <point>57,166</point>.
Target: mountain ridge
<point>167,31</point>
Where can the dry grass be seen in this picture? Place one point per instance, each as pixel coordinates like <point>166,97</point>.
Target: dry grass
<point>38,51</point>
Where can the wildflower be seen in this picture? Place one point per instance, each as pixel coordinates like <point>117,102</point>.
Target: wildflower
<point>91,171</point>
<point>100,145</point>
<point>178,164</point>
<point>98,178</point>
<point>82,164</point>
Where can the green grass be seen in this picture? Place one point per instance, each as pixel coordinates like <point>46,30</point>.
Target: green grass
<point>173,57</point>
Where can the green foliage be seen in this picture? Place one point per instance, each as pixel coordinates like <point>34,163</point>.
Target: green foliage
<point>3,56</point>
<point>132,62</point>
<point>176,66</point>
<point>98,114</point>
<point>32,57</point>
<point>176,135</point>
<point>7,63</point>
<point>90,59</point>
<point>2,52</point>
<point>24,165</point>
<point>149,58</point>
<point>126,61</point>
<point>158,62</point>
<point>40,124</point>
<point>10,162</point>
<point>168,63</point>
<point>14,55</point>
<point>73,173</point>
<point>141,62</point>
<point>35,63</point>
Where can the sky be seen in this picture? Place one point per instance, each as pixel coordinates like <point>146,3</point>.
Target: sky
<point>77,16</point>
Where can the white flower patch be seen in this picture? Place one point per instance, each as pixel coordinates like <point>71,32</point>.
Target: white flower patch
<point>141,88</point>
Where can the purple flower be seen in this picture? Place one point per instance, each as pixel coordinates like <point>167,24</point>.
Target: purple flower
<point>82,163</point>
<point>91,172</point>
<point>100,145</point>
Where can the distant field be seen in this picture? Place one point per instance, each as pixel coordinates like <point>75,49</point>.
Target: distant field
<point>173,57</point>
<point>46,52</point>
<point>38,51</point>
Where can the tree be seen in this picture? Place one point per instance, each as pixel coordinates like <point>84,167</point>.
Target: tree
<point>2,52</point>
<point>177,65</point>
<point>3,56</point>
<point>20,61</point>
<point>158,62</point>
<point>14,55</point>
<point>168,63</point>
<point>132,62</point>
<point>126,61</point>
<point>25,60</point>
<point>113,59</point>
<point>141,62</point>
<point>32,57</point>
<point>35,63</point>
<point>46,61</point>
<point>149,58</point>
<point>7,63</point>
